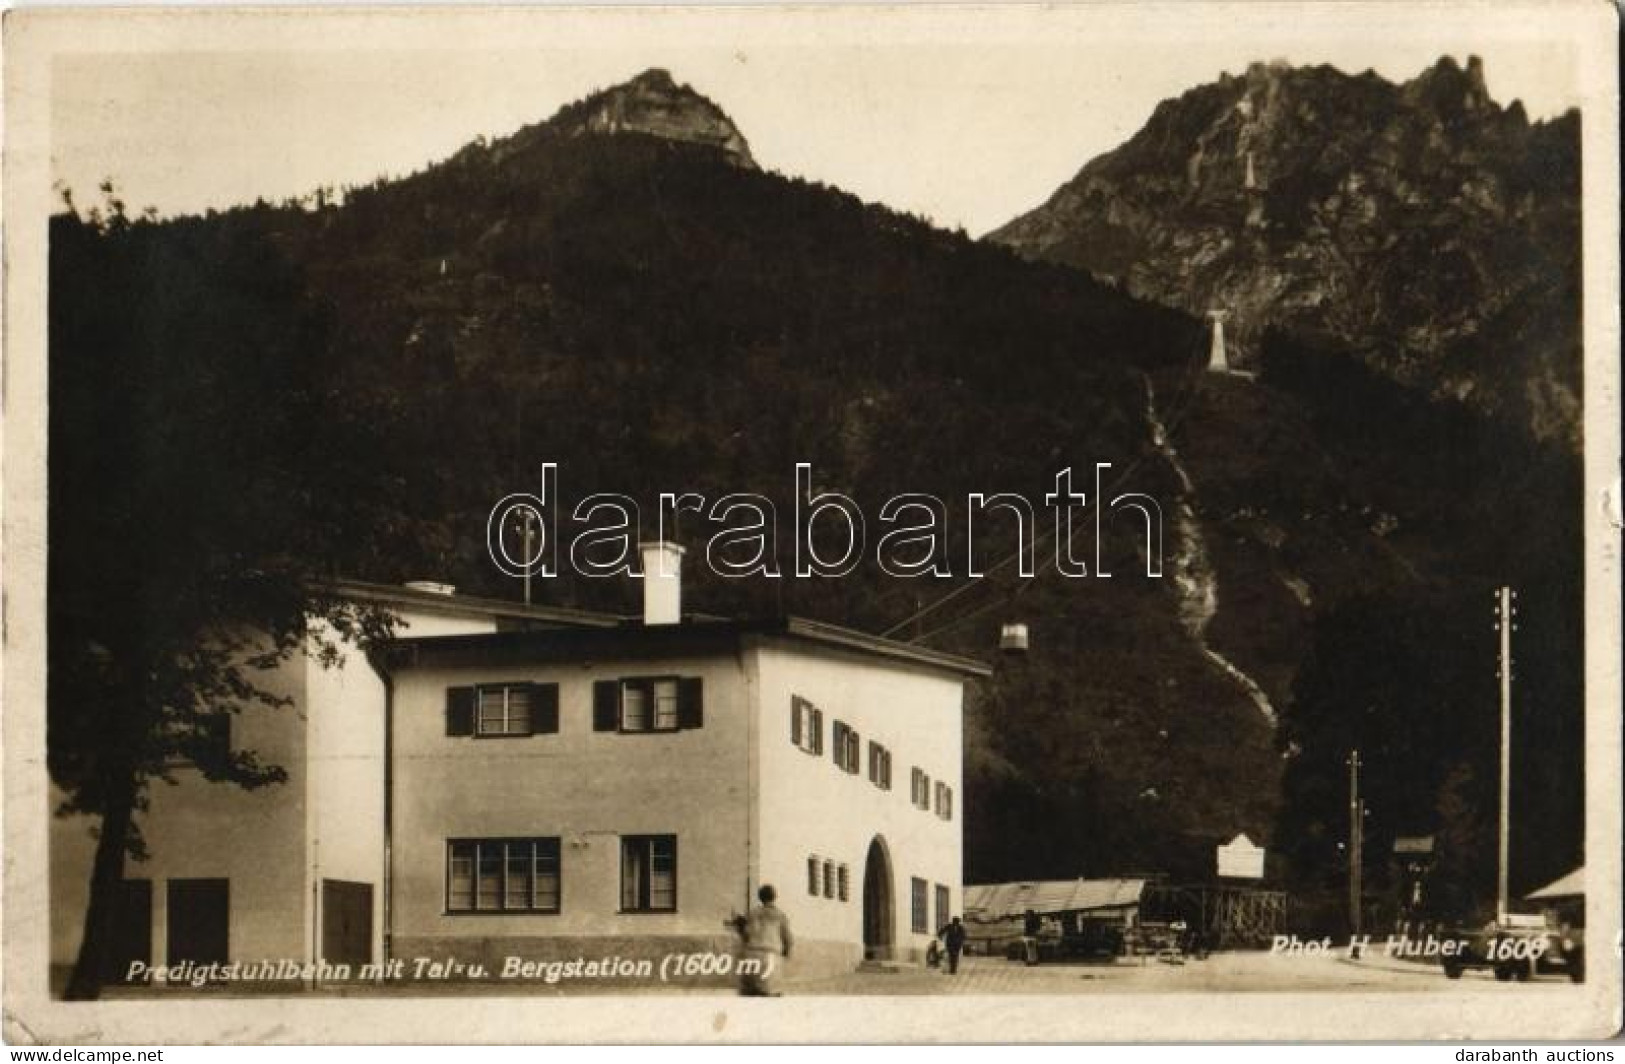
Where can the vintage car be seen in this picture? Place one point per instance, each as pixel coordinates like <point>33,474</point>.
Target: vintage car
<point>1519,949</point>
<point>1068,939</point>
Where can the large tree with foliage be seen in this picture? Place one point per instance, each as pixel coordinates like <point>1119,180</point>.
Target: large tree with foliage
<point>208,474</point>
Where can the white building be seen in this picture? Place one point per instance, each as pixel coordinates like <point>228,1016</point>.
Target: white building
<point>292,871</point>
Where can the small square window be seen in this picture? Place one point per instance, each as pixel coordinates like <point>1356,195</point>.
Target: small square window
<point>806,725</point>
<point>920,789</point>
<point>879,766</point>
<point>846,748</point>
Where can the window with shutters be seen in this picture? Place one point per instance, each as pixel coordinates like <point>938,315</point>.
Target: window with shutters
<point>648,704</point>
<point>502,875</point>
<point>846,747</point>
<point>829,879</point>
<point>815,876</point>
<point>921,919</point>
<point>806,725</point>
<point>843,888</point>
<point>943,913</point>
<point>649,873</point>
<point>879,766</point>
<point>945,801</point>
<point>502,710</point>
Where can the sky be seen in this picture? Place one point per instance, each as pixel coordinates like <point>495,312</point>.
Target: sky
<point>966,116</point>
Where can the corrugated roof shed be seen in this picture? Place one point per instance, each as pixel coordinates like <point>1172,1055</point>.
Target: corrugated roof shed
<point>1002,901</point>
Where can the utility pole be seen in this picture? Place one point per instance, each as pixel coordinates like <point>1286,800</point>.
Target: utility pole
<point>1356,840</point>
<point>527,518</point>
<point>1504,614</point>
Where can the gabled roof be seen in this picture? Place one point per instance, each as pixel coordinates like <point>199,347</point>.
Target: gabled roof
<point>404,596</point>
<point>990,902</point>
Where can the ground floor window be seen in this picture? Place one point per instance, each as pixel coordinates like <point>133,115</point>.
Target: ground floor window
<point>922,918</point>
<point>944,914</point>
<point>491,875</point>
<point>649,873</point>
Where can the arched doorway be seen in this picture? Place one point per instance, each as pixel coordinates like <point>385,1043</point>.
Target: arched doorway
<point>879,908</point>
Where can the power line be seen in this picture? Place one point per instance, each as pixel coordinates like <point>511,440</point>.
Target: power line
<point>1182,405</point>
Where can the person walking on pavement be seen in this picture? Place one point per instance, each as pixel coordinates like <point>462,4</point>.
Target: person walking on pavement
<point>953,937</point>
<point>1031,925</point>
<point>767,938</point>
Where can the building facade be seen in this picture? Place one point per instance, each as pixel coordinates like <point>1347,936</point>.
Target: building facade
<point>625,792</point>
<point>290,872</point>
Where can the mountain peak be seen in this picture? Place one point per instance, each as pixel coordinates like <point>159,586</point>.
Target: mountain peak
<point>657,79</point>
<point>1307,200</point>
<point>1445,86</point>
<point>655,104</point>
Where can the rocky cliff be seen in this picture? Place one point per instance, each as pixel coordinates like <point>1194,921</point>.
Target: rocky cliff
<point>653,103</point>
<point>1424,226</point>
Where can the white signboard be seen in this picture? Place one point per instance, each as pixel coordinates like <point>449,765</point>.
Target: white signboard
<point>1240,859</point>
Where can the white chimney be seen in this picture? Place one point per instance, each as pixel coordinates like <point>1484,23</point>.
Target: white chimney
<point>662,582</point>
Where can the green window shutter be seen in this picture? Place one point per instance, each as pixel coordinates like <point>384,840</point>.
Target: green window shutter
<point>606,705</point>
<point>459,711</point>
<point>544,708</point>
<point>690,702</point>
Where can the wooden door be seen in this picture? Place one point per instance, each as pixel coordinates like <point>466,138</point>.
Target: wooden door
<point>199,921</point>
<point>347,923</point>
